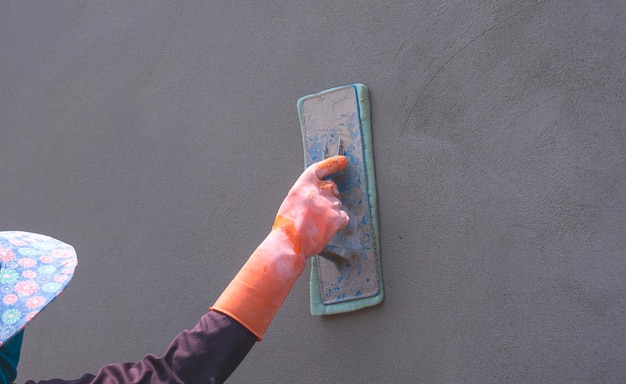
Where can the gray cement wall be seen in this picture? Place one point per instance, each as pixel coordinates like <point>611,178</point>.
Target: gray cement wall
<point>159,137</point>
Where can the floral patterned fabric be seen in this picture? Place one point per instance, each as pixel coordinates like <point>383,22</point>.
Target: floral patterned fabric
<point>34,271</point>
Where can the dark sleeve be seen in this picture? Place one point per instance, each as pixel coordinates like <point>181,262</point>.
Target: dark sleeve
<point>208,353</point>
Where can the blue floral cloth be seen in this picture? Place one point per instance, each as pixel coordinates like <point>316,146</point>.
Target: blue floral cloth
<point>34,271</point>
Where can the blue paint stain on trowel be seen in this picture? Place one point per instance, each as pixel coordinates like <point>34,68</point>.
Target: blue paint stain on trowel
<point>347,275</point>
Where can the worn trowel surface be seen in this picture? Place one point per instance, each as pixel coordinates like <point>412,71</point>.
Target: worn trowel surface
<point>347,275</point>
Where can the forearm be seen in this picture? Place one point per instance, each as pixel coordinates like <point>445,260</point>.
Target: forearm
<point>308,217</point>
<point>254,296</point>
<point>210,351</point>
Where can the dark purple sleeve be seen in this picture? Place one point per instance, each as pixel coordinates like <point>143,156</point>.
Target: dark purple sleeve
<point>208,353</point>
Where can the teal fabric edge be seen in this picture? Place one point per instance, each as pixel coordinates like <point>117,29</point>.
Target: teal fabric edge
<point>10,357</point>
<point>316,306</point>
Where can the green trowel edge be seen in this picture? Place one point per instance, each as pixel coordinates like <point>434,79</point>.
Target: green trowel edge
<point>340,118</point>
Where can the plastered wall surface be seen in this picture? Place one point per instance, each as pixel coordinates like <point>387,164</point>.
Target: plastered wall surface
<point>159,138</point>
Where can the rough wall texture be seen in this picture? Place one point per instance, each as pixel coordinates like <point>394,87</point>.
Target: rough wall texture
<point>158,138</point>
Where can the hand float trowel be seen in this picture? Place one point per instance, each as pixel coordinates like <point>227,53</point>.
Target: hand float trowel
<point>346,275</point>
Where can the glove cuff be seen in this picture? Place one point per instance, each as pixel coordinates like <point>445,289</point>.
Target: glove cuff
<point>256,293</point>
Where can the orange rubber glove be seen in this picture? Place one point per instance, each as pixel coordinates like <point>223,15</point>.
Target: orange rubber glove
<point>307,219</point>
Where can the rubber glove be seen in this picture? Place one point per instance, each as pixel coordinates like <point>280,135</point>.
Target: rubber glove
<point>307,219</point>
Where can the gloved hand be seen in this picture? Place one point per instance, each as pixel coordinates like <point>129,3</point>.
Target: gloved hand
<point>306,221</point>
<point>311,213</point>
